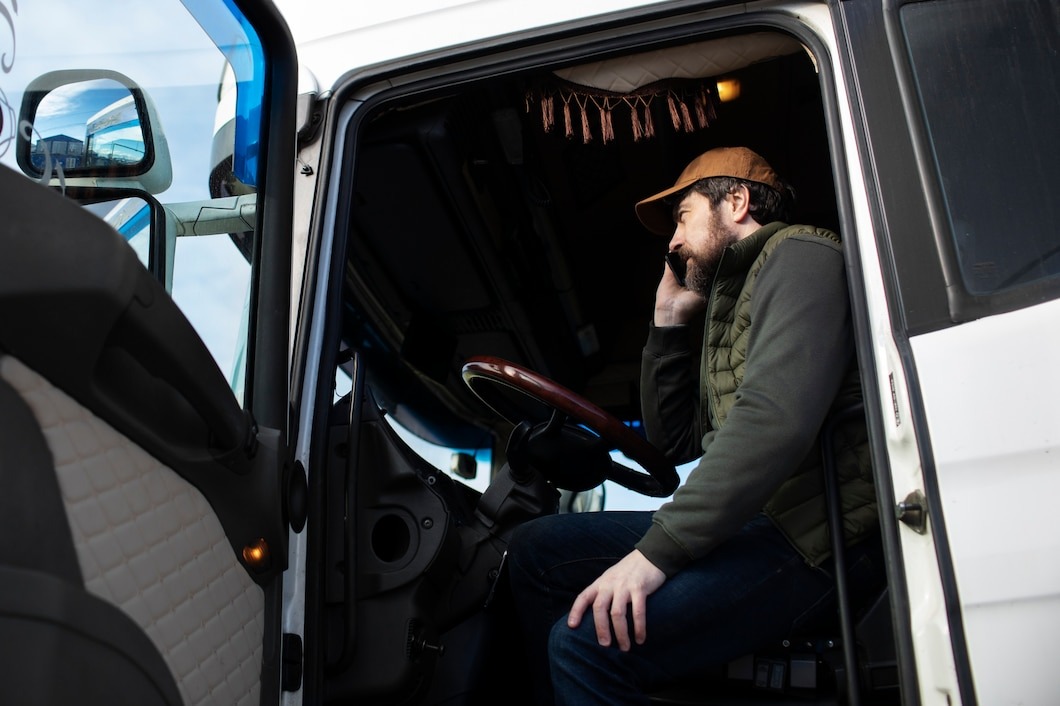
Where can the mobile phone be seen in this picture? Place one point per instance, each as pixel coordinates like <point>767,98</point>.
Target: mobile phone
<point>677,266</point>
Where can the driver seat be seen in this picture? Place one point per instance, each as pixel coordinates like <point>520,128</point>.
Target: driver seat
<point>857,649</point>
<point>49,618</point>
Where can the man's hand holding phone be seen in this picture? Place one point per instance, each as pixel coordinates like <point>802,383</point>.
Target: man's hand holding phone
<point>676,305</point>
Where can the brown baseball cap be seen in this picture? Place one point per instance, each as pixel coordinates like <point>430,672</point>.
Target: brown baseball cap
<point>739,162</point>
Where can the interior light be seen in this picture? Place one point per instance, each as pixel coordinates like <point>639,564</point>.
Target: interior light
<point>728,89</point>
<point>256,554</point>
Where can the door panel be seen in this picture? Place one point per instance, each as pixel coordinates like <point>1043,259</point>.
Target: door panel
<point>163,479</point>
<point>171,495</point>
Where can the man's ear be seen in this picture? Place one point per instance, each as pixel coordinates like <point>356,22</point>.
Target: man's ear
<point>740,202</point>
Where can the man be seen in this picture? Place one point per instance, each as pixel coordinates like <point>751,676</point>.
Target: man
<point>615,605</point>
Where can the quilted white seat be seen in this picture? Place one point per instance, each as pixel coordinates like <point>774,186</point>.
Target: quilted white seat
<point>148,542</point>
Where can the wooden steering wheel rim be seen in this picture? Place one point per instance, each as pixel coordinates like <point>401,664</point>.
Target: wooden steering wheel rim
<point>661,478</point>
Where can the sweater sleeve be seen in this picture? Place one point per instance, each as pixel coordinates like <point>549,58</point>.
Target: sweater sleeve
<point>669,389</point>
<point>799,347</point>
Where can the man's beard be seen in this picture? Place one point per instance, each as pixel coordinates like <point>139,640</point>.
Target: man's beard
<point>703,265</point>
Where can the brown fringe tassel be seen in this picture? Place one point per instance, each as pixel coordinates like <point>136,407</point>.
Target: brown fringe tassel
<point>607,128</point>
<point>704,108</point>
<point>701,111</point>
<point>568,128</point>
<point>675,118</point>
<point>638,129</point>
<point>587,133</point>
<point>548,116</point>
<point>682,105</point>
<point>649,123</point>
<point>686,118</point>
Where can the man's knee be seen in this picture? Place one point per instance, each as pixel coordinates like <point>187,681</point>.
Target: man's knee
<point>527,542</point>
<point>578,664</point>
<point>571,646</point>
<point>580,646</point>
<point>537,531</point>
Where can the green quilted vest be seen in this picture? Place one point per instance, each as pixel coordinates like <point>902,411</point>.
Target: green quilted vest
<point>798,506</point>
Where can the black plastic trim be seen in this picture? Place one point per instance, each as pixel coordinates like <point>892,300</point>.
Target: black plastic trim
<point>291,679</point>
<point>89,195</point>
<point>269,339</point>
<point>267,388</point>
<point>314,665</point>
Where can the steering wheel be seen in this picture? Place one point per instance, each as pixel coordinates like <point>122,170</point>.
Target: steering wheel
<point>565,436</point>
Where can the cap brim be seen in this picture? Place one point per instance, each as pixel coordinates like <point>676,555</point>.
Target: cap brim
<point>656,214</point>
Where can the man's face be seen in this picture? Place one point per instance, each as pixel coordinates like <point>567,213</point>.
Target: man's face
<point>701,234</point>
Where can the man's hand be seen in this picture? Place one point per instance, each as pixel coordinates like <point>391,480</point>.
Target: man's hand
<point>627,583</point>
<point>674,304</point>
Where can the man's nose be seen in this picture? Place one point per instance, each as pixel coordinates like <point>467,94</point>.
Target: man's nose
<point>676,240</point>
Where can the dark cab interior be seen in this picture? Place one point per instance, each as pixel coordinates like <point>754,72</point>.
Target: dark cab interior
<point>476,231</point>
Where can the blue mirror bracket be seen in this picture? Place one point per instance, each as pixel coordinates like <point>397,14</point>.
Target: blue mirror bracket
<point>237,40</point>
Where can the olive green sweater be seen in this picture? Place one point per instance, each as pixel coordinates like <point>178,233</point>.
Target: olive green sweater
<point>777,358</point>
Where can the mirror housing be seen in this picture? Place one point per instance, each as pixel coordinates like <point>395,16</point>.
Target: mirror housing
<point>119,141</point>
<point>463,465</point>
<point>591,500</point>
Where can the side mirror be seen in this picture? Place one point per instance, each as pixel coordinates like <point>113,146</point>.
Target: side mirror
<point>92,128</point>
<point>592,500</point>
<point>463,465</point>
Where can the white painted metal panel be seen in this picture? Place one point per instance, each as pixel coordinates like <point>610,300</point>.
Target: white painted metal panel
<point>992,395</point>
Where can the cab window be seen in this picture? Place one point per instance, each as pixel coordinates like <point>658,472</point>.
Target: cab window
<point>986,73</point>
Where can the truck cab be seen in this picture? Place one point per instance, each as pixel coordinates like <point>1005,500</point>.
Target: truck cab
<point>305,308</point>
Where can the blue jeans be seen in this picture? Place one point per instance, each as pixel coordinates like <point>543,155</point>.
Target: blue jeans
<point>749,592</point>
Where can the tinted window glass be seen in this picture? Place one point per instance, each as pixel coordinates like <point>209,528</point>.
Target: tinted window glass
<point>988,76</point>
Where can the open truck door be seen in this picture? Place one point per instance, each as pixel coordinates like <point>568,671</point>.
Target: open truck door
<point>145,477</point>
